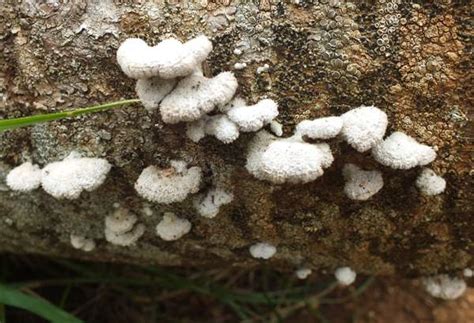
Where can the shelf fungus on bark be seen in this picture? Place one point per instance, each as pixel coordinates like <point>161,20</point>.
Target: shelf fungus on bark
<point>122,229</point>
<point>262,250</point>
<point>444,286</point>
<point>172,227</point>
<point>429,183</point>
<point>287,160</point>
<point>24,178</point>
<point>400,151</point>
<point>364,127</point>
<point>168,185</point>
<point>82,243</point>
<point>168,59</point>
<point>361,184</point>
<point>345,276</point>
<point>208,205</point>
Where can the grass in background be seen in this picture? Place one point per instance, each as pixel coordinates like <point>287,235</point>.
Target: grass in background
<point>71,291</point>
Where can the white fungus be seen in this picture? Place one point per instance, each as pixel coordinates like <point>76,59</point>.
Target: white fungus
<point>303,273</point>
<point>364,127</point>
<point>286,160</point>
<point>429,183</point>
<point>24,178</point>
<point>360,184</point>
<point>236,102</point>
<point>221,127</point>
<point>468,272</point>
<point>172,227</point>
<point>121,228</point>
<point>262,250</point>
<point>151,91</point>
<point>196,95</point>
<point>276,128</point>
<point>208,205</point>
<point>262,69</point>
<point>345,275</point>
<point>254,117</point>
<point>68,178</point>
<point>444,286</point>
<point>322,128</point>
<point>197,130</point>
<point>82,243</point>
<point>240,66</point>
<point>168,185</point>
<point>168,59</point>
<point>400,151</point>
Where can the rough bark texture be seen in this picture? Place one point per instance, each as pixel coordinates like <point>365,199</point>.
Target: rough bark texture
<point>409,58</point>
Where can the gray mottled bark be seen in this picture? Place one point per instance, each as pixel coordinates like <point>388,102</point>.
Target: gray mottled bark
<point>410,59</point>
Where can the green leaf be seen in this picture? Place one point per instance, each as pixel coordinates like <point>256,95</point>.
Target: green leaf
<point>8,124</point>
<point>13,297</point>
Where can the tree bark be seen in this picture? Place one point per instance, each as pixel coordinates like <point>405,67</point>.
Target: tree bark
<point>326,57</point>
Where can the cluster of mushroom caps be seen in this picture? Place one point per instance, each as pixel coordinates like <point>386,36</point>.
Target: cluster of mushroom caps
<point>170,79</point>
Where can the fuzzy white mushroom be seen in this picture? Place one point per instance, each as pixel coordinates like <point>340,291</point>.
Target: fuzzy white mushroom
<point>262,250</point>
<point>444,286</point>
<point>468,272</point>
<point>122,229</point>
<point>276,128</point>
<point>168,59</point>
<point>151,91</point>
<point>400,151</point>
<point>345,275</point>
<point>429,183</point>
<point>360,184</point>
<point>82,243</point>
<point>24,178</point>
<point>364,127</point>
<point>168,185</point>
<point>196,95</point>
<point>303,273</point>
<point>197,130</point>
<point>221,127</point>
<point>236,102</point>
<point>69,177</point>
<point>254,117</point>
<point>208,205</point>
<point>322,128</point>
<point>286,160</point>
<point>172,227</point>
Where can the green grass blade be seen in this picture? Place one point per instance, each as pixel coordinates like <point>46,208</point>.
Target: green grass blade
<point>8,124</point>
<point>40,307</point>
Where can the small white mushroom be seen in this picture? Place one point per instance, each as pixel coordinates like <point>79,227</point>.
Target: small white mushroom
<point>444,286</point>
<point>240,66</point>
<point>262,69</point>
<point>121,228</point>
<point>276,128</point>
<point>360,184</point>
<point>364,127</point>
<point>262,250</point>
<point>195,96</point>
<point>172,227</point>
<point>429,183</point>
<point>254,117</point>
<point>24,178</point>
<point>286,160</point>
<point>168,59</point>
<point>322,128</point>
<point>168,185</point>
<point>152,91</point>
<point>221,127</point>
<point>208,205</point>
<point>400,151</point>
<point>468,272</point>
<point>345,275</point>
<point>303,273</point>
<point>68,178</point>
<point>82,243</point>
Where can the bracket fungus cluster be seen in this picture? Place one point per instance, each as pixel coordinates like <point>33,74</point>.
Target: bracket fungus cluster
<point>64,179</point>
<point>122,229</point>
<point>82,243</point>
<point>172,227</point>
<point>444,286</point>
